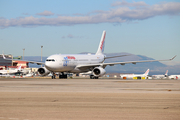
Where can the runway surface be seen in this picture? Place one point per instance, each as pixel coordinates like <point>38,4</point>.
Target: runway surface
<point>87,99</point>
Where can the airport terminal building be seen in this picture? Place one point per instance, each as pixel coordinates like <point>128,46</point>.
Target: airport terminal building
<point>8,64</point>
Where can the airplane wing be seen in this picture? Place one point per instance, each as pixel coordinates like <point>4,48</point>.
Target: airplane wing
<point>38,63</point>
<point>117,56</point>
<point>112,64</point>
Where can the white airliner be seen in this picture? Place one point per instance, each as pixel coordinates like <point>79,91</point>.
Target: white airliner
<point>18,69</point>
<point>131,76</point>
<point>174,77</point>
<point>160,76</point>
<point>78,63</point>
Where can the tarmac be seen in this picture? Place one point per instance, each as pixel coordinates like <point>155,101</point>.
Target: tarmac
<point>89,99</point>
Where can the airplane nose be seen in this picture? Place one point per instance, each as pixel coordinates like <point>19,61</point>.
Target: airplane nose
<point>48,65</point>
<point>53,63</point>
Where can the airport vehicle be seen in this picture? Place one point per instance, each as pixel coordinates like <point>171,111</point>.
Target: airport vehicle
<point>174,77</point>
<point>136,76</point>
<point>18,69</point>
<point>78,63</point>
<point>160,76</point>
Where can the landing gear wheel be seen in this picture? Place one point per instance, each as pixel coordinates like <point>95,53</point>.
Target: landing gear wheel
<point>96,77</point>
<point>62,76</point>
<point>53,76</point>
<point>93,77</point>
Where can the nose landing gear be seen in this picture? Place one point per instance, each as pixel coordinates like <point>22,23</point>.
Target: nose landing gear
<point>53,76</point>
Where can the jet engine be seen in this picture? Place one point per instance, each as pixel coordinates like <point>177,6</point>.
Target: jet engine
<point>43,71</point>
<point>98,71</point>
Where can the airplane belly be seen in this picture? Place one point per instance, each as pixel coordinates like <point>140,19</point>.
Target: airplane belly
<point>65,69</point>
<point>60,68</point>
<point>76,70</point>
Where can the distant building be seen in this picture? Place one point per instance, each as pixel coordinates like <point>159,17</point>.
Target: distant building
<point>4,64</point>
<point>22,63</point>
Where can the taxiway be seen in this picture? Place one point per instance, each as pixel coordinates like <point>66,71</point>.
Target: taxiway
<point>87,99</point>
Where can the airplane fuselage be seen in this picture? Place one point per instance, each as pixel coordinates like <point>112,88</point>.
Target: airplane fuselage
<point>8,71</point>
<point>133,75</point>
<point>69,62</point>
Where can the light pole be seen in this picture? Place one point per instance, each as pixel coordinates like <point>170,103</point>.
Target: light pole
<point>23,53</point>
<point>41,54</point>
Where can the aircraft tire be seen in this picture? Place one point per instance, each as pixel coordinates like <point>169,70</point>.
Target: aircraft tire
<point>63,76</point>
<point>96,77</point>
<point>53,77</point>
<point>91,76</point>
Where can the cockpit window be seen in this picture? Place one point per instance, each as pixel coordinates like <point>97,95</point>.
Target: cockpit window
<point>50,60</point>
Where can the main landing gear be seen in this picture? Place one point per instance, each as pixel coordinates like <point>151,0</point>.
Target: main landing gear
<point>61,76</point>
<point>93,77</point>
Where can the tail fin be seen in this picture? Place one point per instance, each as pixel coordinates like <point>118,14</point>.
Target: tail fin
<point>19,67</point>
<point>101,44</point>
<point>147,72</point>
<point>166,74</point>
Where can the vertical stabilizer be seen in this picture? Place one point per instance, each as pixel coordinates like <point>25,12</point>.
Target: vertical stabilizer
<point>166,74</point>
<point>147,72</point>
<point>101,44</point>
<point>19,67</point>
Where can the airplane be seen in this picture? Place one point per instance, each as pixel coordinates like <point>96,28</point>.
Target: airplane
<point>160,76</point>
<point>78,63</point>
<point>174,77</point>
<point>131,76</point>
<point>31,74</point>
<point>18,69</point>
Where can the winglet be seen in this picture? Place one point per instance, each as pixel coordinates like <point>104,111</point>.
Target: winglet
<point>173,57</point>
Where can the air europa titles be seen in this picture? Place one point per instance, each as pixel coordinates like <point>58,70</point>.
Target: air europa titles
<point>66,60</point>
<point>71,57</point>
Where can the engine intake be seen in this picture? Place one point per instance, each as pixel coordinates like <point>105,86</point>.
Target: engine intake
<point>43,71</point>
<point>98,71</point>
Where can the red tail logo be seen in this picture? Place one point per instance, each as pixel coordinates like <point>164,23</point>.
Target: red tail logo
<point>103,42</point>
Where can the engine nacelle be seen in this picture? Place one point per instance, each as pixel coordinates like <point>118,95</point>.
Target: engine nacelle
<point>43,71</point>
<point>99,71</point>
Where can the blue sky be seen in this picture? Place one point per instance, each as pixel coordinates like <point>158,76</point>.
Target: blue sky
<point>149,27</point>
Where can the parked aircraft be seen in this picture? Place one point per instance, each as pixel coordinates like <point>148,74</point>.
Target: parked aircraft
<point>18,69</point>
<point>78,63</point>
<point>174,76</point>
<point>131,76</point>
<point>29,75</point>
<point>160,76</point>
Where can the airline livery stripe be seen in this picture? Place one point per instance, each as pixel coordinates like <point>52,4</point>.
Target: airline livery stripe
<point>103,41</point>
<point>147,72</point>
